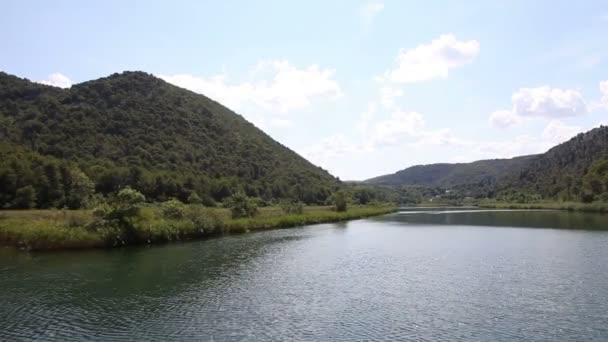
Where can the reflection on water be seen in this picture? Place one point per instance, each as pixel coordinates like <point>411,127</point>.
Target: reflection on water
<point>503,217</point>
<point>442,275</point>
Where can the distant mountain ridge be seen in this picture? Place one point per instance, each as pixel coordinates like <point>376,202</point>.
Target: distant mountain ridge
<point>448,175</point>
<point>555,174</point>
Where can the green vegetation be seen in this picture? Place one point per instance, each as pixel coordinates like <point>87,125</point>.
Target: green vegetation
<point>242,206</point>
<point>340,201</point>
<point>599,207</point>
<point>292,207</point>
<point>480,173</point>
<point>133,129</point>
<point>575,171</point>
<point>127,221</point>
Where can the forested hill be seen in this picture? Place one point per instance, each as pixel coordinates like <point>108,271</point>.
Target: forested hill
<point>135,129</point>
<point>449,175</point>
<point>574,170</point>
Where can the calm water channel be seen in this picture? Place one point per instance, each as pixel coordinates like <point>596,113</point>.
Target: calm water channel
<point>421,274</point>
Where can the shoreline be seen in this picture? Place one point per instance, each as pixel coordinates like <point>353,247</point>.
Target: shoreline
<point>46,230</point>
<point>593,207</point>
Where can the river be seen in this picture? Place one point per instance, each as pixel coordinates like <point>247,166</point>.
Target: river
<point>420,274</point>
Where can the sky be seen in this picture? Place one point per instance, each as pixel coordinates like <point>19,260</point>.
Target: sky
<point>361,88</point>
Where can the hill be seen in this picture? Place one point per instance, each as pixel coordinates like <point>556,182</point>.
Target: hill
<point>449,175</point>
<point>138,130</point>
<point>574,170</point>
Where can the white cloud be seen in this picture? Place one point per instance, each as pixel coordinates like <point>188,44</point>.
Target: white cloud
<point>504,119</point>
<point>541,102</point>
<point>548,102</point>
<point>57,80</point>
<point>434,60</point>
<point>557,132</point>
<point>369,11</point>
<point>399,127</point>
<point>388,96</point>
<point>285,88</point>
<point>332,147</point>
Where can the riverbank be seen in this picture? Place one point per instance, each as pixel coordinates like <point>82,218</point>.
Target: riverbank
<point>80,229</point>
<point>594,207</point>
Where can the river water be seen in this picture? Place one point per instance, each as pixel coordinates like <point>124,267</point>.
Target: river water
<point>420,275</point>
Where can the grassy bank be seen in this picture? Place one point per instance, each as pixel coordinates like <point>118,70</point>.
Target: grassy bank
<point>597,207</point>
<point>68,229</point>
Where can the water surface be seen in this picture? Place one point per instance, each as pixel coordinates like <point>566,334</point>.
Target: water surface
<point>424,276</point>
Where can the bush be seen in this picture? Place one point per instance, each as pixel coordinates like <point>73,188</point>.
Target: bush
<point>340,200</point>
<point>206,221</point>
<point>194,198</point>
<point>173,209</point>
<point>25,198</point>
<point>242,206</point>
<point>292,207</point>
<point>121,211</point>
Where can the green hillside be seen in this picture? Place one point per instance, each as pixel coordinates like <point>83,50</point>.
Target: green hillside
<point>576,170</point>
<point>449,175</point>
<point>135,129</point>
<point>573,170</point>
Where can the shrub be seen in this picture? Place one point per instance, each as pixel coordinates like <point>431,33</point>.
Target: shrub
<point>292,207</point>
<point>25,198</point>
<point>173,209</point>
<point>242,206</point>
<point>340,200</point>
<point>205,221</point>
<point>194,198</point>
<point>121,211</point>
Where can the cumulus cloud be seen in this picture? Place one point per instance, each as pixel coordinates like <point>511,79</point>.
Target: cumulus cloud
<point>434,60</point>
<point>548,102</point>
<point>57,80</point>
<point>282,88</point>
<point>541,102</point>
<point>558,132</point>
<point>504,119</point>
<point>400,126</point>
<point>334,146</point>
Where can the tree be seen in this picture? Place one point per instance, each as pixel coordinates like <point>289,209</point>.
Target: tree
<point>81,190</point>
<point>173,209</point>
<point>25,198</point>
<point>194,198</point>
<point>340,200</point>
<point>292,207</point>
<point>242,206</point>
<point>123,207</point>
<point>362,195</point>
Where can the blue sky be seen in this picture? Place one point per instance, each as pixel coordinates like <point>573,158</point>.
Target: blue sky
<point>361,88</point>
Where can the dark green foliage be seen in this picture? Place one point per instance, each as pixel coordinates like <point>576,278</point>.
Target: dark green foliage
<point>595,182</point>
<point>292,207</point>
<point>566,173</point>
<point>133,129</point>
<point>194,198</point>
<point>25,198</point>
<point>449,175</point>
<point>340,200</point>
<point>56,183</point>
<point>559,173</point>
<point>242,206</point>
<point>173,209</point>
<point>122,208</point>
